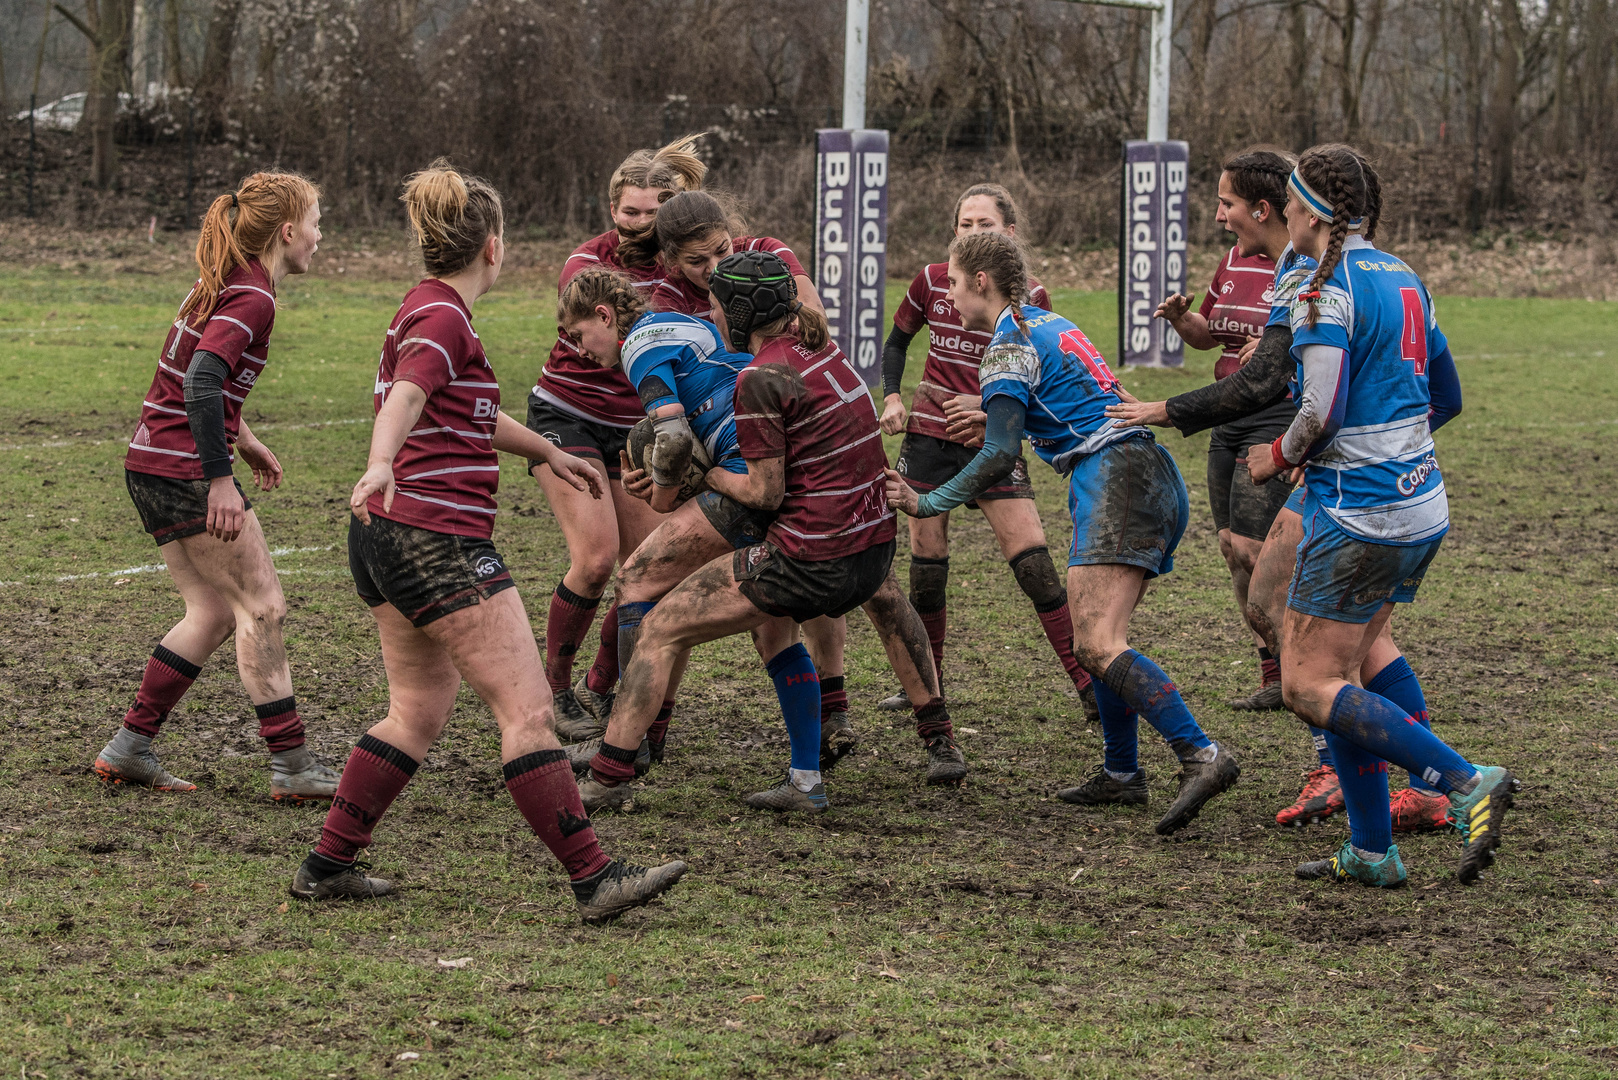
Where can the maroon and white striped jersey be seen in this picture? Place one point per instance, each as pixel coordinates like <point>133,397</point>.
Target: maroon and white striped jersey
<point>953,352</point>
<point>813,409</point>
<point>1238,304</point>
<point>676,293</point>
<point>579,386</point>
<point>447,472</point>
<point>238,332</point>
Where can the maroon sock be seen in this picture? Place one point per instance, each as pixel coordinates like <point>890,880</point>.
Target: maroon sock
<point>167,677</point>
<point>603,674</point>
<point>565,627</point>
<point>933,719</point>
<point>613,765</point>
<point>1058,624</point>
<point>1269,668</point>
<point>937,623</point>
<point>659,731</point>
<point>375,774</point>
<point>279,724</point>
<point>544,790</point>
<point>833,698</point>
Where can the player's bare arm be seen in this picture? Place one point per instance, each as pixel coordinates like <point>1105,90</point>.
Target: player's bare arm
<point>762,487</point>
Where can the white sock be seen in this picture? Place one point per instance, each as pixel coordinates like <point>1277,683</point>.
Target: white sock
<point>805,779</point>
<point>292,761</point>
<point>1206,754</point>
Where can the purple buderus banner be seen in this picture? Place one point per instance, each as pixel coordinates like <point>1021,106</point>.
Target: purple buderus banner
<point>851,241</point>
<point>1151,250</point>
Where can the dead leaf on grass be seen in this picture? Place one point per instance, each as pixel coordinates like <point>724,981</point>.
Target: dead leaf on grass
<point>732,1025</point>
<point>283,908</point>
<point>1420,1049</point>
<point>888,973</point>
<point>752,999</point>
<point>458,962</point>
<point>612,980</point>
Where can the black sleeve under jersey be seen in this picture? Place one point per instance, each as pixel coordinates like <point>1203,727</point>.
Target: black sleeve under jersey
<point>1257,386</point>
<point>205,409</point>
<point>893,360</point>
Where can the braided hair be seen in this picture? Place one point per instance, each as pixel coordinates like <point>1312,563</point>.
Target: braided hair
<point>1259,174</point>
<point>599,286</point>
<point>1347,181</point>
<point>1001,258</point>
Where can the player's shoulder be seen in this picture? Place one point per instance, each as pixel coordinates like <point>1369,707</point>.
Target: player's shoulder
<point>600,248</point>
<point>248,293</point>
<point>434,306</point>
<point>670,329</point>
<point>1038,295</point>
<point>935,275</point>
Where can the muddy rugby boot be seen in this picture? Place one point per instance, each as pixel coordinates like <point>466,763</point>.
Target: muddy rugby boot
<point>837,739</point>
<point>295,776</point>
<point>1479,818</point>
<point>1419,811</point>
<point>1348,864</point>
<point>1199,782</point>
<point>620,887</point>
<point>1264,699</point>
<point>1102,789</point>
<point>599,796</point>
<point>1321,797</point>
<point>573,723</point>
<point>897,703</point>
<point>597,705</point>
<point>350,883</point>
<point>945,762</point>
<point>579,756</point>
<point>785,797</point>
<point>128,759</point>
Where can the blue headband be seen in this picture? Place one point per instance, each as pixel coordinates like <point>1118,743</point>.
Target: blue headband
<point>1318,206</point>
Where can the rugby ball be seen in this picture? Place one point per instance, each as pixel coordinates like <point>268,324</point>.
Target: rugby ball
<point>641,437</point>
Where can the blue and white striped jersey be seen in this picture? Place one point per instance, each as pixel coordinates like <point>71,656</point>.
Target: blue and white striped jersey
<point>1061,380</point>
<point>1376,474</point>
<point>670,358</point>
<point>1292,269</point>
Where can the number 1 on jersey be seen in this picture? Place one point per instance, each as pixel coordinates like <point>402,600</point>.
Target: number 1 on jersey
<point>1076,344</point>
<point>1413,346</point>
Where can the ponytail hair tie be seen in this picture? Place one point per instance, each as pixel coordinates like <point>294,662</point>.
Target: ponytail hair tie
<point>1313,294</point>
<point>234,201</point>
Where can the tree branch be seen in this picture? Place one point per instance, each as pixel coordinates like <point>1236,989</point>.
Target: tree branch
<point>76,21</point>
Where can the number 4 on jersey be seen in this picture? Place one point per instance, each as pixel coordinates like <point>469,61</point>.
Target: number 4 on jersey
<point>1413,346</point>
<point>1076,344</point>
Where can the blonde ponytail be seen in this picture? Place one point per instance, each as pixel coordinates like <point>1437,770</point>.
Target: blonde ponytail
<point>452,216</point>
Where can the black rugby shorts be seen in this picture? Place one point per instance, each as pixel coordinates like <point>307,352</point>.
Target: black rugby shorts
<point>425,574</point>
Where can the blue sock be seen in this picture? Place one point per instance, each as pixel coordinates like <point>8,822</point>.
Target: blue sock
<point>1364,779</point>
<point>629,616</point>
<point>1322,749</point>
<point>1379,727</point>
<point>1147,690</point>
<point>1118,731</point>
<point>1399,684</point>
<point>798,687</point>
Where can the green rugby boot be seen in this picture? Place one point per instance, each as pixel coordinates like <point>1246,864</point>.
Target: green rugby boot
<point>1479,818</point>
<point>1387,872</point>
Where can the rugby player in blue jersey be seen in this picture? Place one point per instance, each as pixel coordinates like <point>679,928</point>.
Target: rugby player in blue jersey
<point>1042,377</point>
<point>1374,515</point>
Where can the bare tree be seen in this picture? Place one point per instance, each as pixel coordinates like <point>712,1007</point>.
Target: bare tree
<point>106,25</point>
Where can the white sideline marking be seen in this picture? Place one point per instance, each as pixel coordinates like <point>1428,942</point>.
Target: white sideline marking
<point>152,568</point>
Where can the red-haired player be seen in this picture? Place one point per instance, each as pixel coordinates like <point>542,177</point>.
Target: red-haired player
<point>179,474</point>
<point>587,410</point>
<point>444,602</point>
<point>939,438</point>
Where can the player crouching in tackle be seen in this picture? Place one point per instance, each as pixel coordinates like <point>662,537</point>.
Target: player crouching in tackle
<point>444,603</point>
<point>686,378</point>
<point>1041,375</point>
<point>808,432</point>
<point>1374,516</point>
<point>179,475</point>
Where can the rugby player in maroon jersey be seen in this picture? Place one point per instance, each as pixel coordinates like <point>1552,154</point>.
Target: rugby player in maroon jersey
<point>445,606</point>
<point>694,232</point>
<point>1252,193</point>
<point>179,475</point>
<point>587,410</point>
<point>939,441</point>
<point>808,431</point>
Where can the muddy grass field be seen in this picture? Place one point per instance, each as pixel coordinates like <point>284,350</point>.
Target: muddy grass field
<point>916,932</point>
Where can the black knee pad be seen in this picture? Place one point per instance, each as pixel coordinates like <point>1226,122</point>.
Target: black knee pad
<point>1036,574</point>
<point>929,578</point>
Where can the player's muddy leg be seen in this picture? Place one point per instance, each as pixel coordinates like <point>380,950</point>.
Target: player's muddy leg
<point>1021,536</point>
<point>174,665</point>
<point>591,531</point>
<point>1103,597</point>
<point>1272,573</point>
<point>706,606</point>
<point>825,639</point>
<point>636,522</point>
<point>422,684</point>
<point>242,572</point>
<point>929,587</point>
<point>904,639</point>
<point>1241,554</point>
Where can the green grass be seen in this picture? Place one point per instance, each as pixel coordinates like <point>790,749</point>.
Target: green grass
<point>910,932</point>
